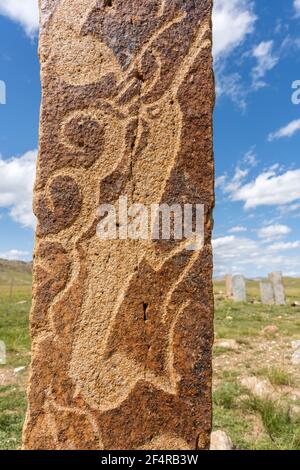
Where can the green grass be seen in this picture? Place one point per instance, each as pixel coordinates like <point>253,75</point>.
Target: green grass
<point>15,302</point>
<point>234,423</point>
<point>14,329</point>
<point>234,409</point>
<point>12,412</point>
<point>283,434</point>
<point>227,394</point>
<point>248,320</point>
<point>276,375</point>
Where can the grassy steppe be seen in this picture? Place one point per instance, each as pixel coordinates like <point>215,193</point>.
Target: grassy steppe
<point>15,301</point>
<point>251,422</point>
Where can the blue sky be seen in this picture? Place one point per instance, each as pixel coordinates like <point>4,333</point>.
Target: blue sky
<point>257,133</point>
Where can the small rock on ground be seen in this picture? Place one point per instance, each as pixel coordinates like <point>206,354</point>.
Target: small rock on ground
<point>6,377</point>
<point>294,413</point>
<point>2,353</point>
<point>296,357</point>
<point>270,330</point>
<point>260,388</point>
<point>227,344</point>
<point>219,440</point>
<point>295,395</point>
<point>17,370</point>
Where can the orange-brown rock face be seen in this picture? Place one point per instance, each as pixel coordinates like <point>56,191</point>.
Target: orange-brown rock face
<point>122,328</point>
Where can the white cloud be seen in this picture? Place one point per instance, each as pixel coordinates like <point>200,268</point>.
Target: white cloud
<point>288,209</point>
<point>232,185</point>
<point>220,181</point>
<point>240,174</point>
<point>233,20</point>
<point>24,12</point>
<point>269,189</point>
<point>221,242</point>
<point>273,232</point>
<point>266,61</point>
<point>238,229</point>
<point>287,131</point>
<point>284,246</point>
<point>252,258</point>
<point>16,185</point>
<point>242,170</point>
<point>17,255</point>
<point>231,86</point>
<point>297,6</point>
<point>250,158</point>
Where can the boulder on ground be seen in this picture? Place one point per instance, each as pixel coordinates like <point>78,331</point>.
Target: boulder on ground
<point>294,413</point>
<point>219,440</point>
<point>227,344</point>
<point>270,330</point>
<point>296,357</point>
<point>2,353</point>
<point>295,344</point>
<point>17,370</point>
<point>260,388</point>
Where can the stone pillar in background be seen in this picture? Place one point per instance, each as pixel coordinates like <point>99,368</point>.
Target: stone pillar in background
<point>2,353</point>
<point>278,287</point>
<point>239,288</point>
<point>267,293</point>
<point>228,285</point>
<point>122,329</point>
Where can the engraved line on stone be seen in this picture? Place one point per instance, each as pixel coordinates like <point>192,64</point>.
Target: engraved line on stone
<point>147,87</point>
<point>161,8</point>
<point>178,82</point>
<point>155,36</point>
<point>78,412</point>
<point>195,49</point>
<point>50,420</point>
<point>166,442</point>
<point>175,377</point>
<point>168,386</point>
<point>123,391</point>
<point>183,76</point>
<point>69,26</point>
<point>182,276</point>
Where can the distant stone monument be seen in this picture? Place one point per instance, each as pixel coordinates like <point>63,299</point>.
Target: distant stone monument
<point>267,293</point>
<point>228,285</point>
<point>239,288</point>
<point>2,353</point>
<point>278,287</point>
<point>122,329</point>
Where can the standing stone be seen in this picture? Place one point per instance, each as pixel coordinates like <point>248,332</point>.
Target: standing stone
<point>2,353</point>
<point>228,284</point>
<point>278,288</point>
<point>239,288</point>
<point>267,293</point>
<point>296,357</point>
<point>122,329</point>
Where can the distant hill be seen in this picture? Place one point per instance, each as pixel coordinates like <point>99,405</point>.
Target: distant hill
<point>18,271</point>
